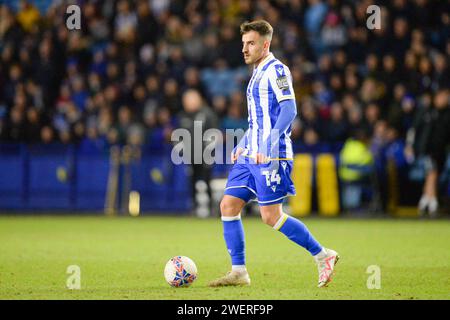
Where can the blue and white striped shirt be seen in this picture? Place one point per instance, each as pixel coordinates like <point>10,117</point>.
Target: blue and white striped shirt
<point>271,83</point>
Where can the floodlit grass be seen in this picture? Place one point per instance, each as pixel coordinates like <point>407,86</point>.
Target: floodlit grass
<point>124,258</point>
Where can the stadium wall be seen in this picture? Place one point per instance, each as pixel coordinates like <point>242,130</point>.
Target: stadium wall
<point>65,178</point>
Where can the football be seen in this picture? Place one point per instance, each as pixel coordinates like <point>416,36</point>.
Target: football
<point>180,271</point>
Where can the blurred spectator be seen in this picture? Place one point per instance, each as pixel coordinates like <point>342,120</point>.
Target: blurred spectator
<point>192,81</point>
<point>147,25</point>
<point>334,33</point>
<point>356,168</point>
<point>125,22</point>
<point>401,37</point>
<point>311,143</point>
<point>171,96</point>
<point>309,116</point>
<point>337,128</point>
<point>234,118</point>
<point>124,122</point>
<point>15,128</point>
<point>33,126</point>
<point>47,135</point>
<point>323,96</point>
<point>220,80</point>
<point>428,142</point>
<point>389,76</point>
<point>27,16</point>
<point>92,142</point>
<point>197,117</point>
<point>372,115</point>
<point>159,129</point>
<point>314,16</point>
<point>219,104</point>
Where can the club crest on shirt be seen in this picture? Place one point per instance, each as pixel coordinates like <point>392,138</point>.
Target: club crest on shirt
<point>280,70</point>
<point>282,82</point>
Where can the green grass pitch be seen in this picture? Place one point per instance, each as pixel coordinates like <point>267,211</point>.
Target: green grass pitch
<point>124,258</point>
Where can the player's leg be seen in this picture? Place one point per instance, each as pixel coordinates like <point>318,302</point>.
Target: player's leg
<point>291,227</point>
<point>273,184</point>
<point>233,233</point>
<point>428,201</point>
<point>233,230</point>
<point>297,232</point>
<point>238,192</point>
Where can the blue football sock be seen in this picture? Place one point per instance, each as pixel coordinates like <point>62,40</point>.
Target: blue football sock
<point>296,231</point>
<point>233,232</point>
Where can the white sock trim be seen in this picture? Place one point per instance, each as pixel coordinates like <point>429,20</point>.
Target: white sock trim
<point>280,221</point>
<point>238,217</point>
<point>239,268</point>
<point>322,254</point>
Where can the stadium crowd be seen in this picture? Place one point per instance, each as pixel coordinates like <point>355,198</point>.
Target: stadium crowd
<point>121,78</point>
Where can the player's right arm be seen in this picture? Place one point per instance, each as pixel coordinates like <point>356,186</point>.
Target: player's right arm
<point>237,151</point>
<point>235,154</point>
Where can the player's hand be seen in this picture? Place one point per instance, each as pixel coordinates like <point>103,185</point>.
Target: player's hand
<point>261,158</point>
<point>235,155</point>
<point>271,166</point>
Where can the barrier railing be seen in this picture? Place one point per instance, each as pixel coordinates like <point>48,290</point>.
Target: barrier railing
<point>126,180</point>
<point>62,178</point>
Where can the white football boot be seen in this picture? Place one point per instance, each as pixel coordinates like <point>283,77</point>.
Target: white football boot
<point>433,206</point>
<point>423,204</point>
<point>232,278</point>
<point>325,266</point>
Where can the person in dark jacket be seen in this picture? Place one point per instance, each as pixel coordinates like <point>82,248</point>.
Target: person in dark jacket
<point>196,113</point>
<point>430,137</point>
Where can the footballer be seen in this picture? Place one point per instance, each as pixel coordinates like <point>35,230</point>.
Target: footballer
<point>263,160</point>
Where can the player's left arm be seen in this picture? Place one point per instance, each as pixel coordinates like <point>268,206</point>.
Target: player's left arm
<point>281,83</point>
<point>288,112</point>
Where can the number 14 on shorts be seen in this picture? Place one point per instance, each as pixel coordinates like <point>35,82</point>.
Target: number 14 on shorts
<point>271,176</point>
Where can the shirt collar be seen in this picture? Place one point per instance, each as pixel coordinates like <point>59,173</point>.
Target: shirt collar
<point>264,62</point>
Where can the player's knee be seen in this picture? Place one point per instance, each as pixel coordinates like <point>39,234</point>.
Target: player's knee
<point>269,219</point>
<point>229,209</point>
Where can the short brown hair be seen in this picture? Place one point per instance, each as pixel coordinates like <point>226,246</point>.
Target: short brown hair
<point>261,26</point>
